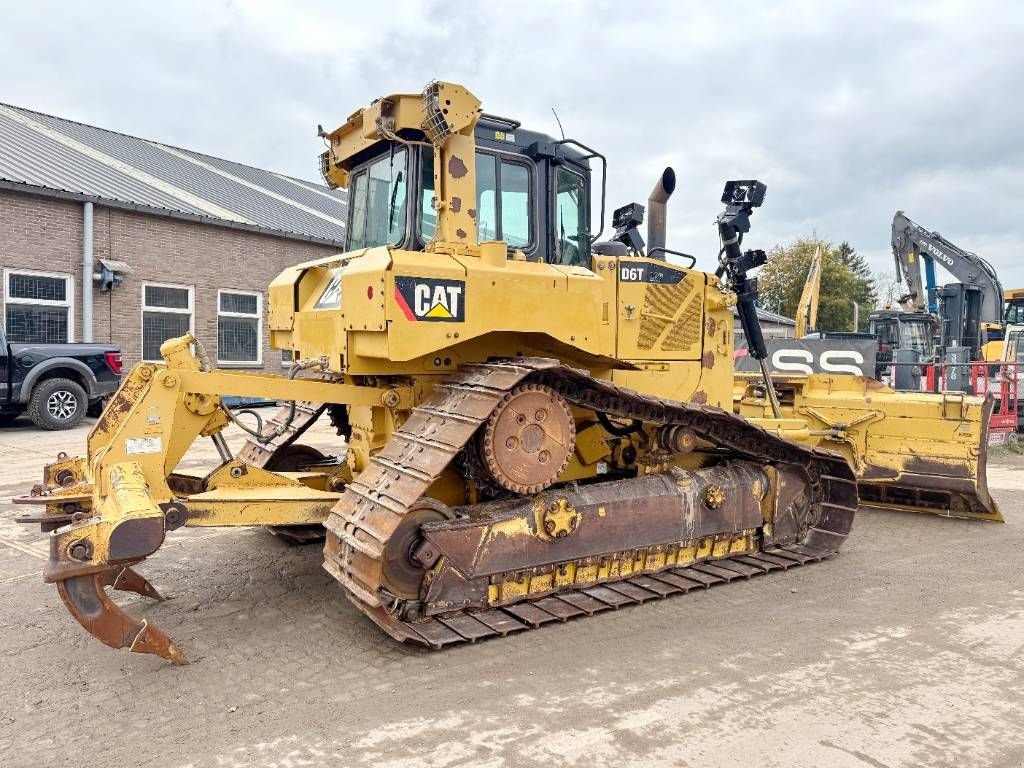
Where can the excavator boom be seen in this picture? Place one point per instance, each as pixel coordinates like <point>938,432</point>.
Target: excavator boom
<point>807,309</point>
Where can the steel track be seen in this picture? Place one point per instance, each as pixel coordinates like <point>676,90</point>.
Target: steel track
<point>374,505</point>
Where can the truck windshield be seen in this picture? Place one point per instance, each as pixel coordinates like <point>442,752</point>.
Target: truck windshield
<point>377,197</point>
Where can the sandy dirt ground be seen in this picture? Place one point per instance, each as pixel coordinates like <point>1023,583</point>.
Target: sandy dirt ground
<point>906,650</point>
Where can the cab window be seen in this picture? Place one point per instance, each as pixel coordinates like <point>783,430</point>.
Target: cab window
<point>515,204</point>
<point>1015,313</point>
<point>570,218</point>
<point>486,197</point>
<point>504,200</point>
<point>377,202</point>
<point>428,216</point>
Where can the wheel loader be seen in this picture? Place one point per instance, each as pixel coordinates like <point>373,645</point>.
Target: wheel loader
<point>534,425</point>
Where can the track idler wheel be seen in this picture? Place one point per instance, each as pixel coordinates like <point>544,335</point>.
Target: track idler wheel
<point>528,440</point>
<point>402,572</point>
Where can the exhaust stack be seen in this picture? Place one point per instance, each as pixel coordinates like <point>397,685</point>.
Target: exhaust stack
<point>656,211</point>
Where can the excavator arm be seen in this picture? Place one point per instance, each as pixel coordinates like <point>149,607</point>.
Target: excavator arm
<point>807,309</point>
<point>912,244</point>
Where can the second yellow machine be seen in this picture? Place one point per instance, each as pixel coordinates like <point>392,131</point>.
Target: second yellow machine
<point>537,426</point>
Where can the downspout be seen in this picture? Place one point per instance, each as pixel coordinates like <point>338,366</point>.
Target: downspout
<point>87,272</point>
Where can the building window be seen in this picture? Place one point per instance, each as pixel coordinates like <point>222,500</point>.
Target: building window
<point>38,307</point>
<point>166,314</point>
<point>239,328</point>
<point>288,357</point>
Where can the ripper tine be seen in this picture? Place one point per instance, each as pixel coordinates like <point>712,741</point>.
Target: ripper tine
<point>87,600</point>
<point>128,580</point>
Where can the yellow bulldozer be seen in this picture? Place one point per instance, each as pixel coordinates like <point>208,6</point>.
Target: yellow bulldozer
<point>537,425</point>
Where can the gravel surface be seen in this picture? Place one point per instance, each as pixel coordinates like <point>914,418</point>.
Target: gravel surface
<point>903,651</point>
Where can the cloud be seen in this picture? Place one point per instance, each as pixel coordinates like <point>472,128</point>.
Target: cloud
<point>847,110</point>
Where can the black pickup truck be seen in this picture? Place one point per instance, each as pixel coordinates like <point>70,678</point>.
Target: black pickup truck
<point>55,384</point>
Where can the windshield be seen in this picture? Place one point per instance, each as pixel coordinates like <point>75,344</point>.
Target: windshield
<point>885,330</point>
<point>377,202</point>
<point>1015,313</point>
<point>914,335</point>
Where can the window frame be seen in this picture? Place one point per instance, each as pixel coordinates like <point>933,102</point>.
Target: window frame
<point>258,362</point>
<point>533,208</point>
<point>191,312</point>
<point>363,171</point>
<point>68,303</point>
<point>584,208</point>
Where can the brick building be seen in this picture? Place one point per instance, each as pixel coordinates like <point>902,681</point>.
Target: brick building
<point>148,240</point>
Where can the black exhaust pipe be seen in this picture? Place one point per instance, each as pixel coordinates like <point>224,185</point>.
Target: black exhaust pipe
<point>657,212</point>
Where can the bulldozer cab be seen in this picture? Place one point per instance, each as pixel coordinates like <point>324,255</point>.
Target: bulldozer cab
<point>532,192</point>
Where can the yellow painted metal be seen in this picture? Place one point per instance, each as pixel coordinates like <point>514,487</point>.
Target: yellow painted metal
<point>446,114</point>
<point>888,437</point>
<point>671,340</point>
<point>513,586</point>
<point>273,387</point>
<point>807,308</point>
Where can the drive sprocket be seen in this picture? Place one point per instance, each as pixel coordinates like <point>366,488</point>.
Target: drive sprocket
<point>528,439</point>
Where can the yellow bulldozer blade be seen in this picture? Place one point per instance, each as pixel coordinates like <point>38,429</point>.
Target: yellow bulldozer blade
<point>912,451</point>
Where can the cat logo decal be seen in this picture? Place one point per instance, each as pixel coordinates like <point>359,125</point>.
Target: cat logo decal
<point>431,299</point>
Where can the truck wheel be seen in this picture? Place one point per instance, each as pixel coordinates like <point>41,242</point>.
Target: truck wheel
<point>57,404</point>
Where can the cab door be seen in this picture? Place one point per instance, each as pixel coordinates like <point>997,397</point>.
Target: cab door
<point>660,310</point>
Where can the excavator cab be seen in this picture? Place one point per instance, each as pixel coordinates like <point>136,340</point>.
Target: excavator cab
<point>896,330</point>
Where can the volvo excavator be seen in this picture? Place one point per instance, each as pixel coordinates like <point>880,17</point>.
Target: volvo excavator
<point>537,426</point>
<point>968,313</point>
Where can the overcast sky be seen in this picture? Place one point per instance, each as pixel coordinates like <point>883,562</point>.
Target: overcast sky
<point>846,110</point>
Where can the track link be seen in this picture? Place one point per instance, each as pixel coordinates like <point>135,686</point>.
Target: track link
<point>470,626</point>
<point>374,505</point>
<point>259,454</point>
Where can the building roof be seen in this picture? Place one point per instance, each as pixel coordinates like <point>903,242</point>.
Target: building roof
<point>773,317</point>
<point>49,155</point>
<point>769,317</point>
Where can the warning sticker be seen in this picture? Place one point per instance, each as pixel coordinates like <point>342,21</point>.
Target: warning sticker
<point>143,445</point>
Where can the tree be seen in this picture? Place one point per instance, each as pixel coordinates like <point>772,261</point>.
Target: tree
<point>845,278</point>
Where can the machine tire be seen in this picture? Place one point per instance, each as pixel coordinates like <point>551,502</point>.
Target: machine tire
<point>57,404</point>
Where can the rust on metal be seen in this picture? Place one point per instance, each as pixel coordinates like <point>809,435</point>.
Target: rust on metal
<point>528,439</point>
<point>87,600</point>
<point>707,360</point>
<point>456,204</point>
<point>456,167</point>
<point>498,562</point>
